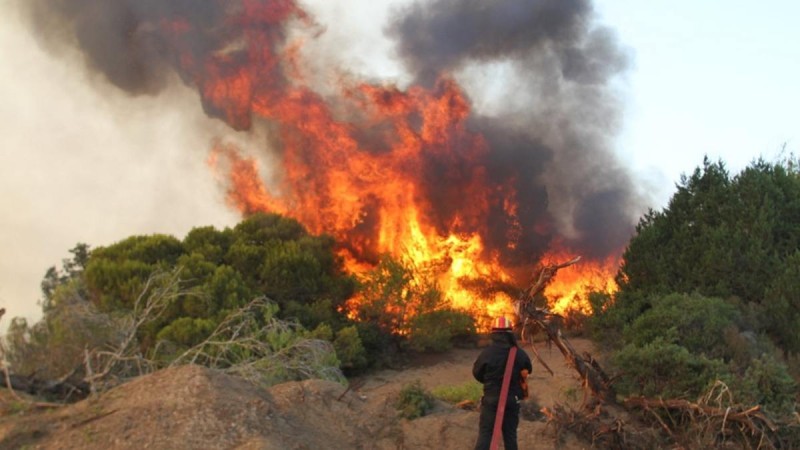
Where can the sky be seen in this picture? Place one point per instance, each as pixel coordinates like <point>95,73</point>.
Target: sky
<point>707,78</point>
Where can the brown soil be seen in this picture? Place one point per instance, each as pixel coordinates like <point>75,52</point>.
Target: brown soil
<point>192,407</point>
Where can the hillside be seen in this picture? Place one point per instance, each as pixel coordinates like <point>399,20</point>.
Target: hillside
<point>195,407</point>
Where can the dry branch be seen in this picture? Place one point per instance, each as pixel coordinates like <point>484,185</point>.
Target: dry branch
<point>749,422</point>
<point>124,359</point>
<point>540,319</point>
<point>263,350</point>
<point>595,426</point>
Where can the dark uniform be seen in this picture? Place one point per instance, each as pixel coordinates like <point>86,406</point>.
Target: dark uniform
<point>489,369</point>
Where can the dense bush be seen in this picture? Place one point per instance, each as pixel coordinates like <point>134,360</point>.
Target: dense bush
<point>767,382</point>
<point>216,273</point>
<point>414,401</point>
<point>54,346</point>
<point>724,237</point>
<point>221,271</point>
<point>707,290</point>
<point>436,330</point>
<point>392,294</point>
<point>664,369</point>
<point>350,350</point>
<point>694,322</point>
<point>684,343</point>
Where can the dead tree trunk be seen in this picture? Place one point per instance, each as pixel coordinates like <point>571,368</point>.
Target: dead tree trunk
<point>535,319</point>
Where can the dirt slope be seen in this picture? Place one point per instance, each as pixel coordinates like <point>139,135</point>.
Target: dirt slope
<point>193,407</point>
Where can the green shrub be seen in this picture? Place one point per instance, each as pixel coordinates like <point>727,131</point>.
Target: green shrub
<point>611,316</point>
<point>767,382</point>
<point>665,369</point>
<point>379,345</point>
<point>435,330</point>
<point>54,346</point>
<point>471,390</point>
<point>414,401</point>
<point>694,322</point>
<point>186,331</point>
<point>350,350</point>
<point>394,293</point>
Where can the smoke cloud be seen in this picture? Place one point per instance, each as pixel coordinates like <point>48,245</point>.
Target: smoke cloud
<point>554,131</point>
<point>82,161</point>
<point>541,74</point>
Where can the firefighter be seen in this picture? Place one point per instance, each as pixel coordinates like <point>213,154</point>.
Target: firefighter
<point>489,369</point>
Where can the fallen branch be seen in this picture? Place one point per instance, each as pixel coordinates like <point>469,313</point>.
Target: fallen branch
<point>595,426</point>
<point>751,419</point>
<point>262,349</point>
<point>535,319</point>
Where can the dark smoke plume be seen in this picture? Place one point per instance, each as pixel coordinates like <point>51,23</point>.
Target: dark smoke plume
<point>551,140</point>
<point>137,44</point>
<point>554,138</point>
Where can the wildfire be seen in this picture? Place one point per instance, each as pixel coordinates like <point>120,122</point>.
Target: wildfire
<point>568,292</point>
<point>383,170</point>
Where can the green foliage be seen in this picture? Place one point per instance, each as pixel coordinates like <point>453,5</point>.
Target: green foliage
<point>253,343</point>
<point>684,342</point>
<point>227,289</point>
<point>116,284</point>
<point>694,322</point>
<point>323,331</point>
<point>400,306</point>
<point>54,346</point>
<point>664,369</point>
<point>611,317</point>
<point>599,302</point>
<point>782,305</point>
<point>211,244</point>
<point>469,391</point>
<point>186,331</point>
<point>379,345</point>
<point>435,330</point>
<point>767,382</point>
<point>393,293</point>
<point>222,271</point>
<point>726,237</point>
<point>71,269</point>
<point>350,350</point>
<point>414,401</point>
<point>704,282</point>
<point>312,313</point>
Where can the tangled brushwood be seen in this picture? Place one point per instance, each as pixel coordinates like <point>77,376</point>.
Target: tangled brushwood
<point>254,345</point>
<point>249,342</point>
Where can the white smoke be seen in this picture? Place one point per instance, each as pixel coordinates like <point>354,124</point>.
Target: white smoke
<point>82,162</point>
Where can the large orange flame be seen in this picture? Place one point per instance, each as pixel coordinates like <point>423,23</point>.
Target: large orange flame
<point>356,170</point>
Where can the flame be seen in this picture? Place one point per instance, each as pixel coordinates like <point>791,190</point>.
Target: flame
<point>359,168</point>
<point>568,292</point>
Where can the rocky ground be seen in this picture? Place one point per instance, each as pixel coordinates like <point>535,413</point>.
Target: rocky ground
<point>192,407</point>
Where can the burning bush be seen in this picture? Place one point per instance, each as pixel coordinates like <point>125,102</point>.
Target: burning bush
<point>406,304</point>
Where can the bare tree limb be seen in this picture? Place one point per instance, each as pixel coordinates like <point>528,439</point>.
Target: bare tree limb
<point>535,319</point>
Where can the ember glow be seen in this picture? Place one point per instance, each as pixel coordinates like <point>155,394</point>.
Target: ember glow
<point>415,172</point>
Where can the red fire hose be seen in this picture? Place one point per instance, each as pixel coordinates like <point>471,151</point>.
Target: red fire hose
<point>501,407</point>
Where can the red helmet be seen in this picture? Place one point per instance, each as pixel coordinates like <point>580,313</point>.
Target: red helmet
<point>501,324</point>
